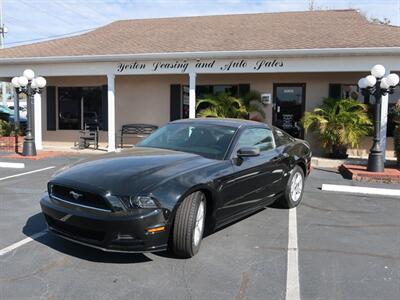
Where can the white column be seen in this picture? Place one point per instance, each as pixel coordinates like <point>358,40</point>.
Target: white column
<point>384,114</point>
<point>192,95</point>
<point>37,98</point>
<point>111,112</point>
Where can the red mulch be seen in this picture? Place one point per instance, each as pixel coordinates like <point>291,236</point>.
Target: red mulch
<point>360,173</point>
<point>40,155</point>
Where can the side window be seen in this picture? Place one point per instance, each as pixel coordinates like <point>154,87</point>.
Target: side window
<point>260,137</point>
<point>282,138</point>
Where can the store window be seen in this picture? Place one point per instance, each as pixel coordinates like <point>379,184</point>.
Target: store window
<point>344,91</point>
<point>78,106</point>
<point>236,90</point>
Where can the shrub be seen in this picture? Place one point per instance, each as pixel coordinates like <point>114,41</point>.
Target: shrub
<point>396,133</point>
<point>8,129</point>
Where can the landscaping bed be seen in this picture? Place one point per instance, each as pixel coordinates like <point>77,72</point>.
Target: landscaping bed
<point>11,143</point>
<point>360,173</point>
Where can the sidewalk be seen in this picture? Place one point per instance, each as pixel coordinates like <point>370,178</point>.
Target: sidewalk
<point>329,163</point>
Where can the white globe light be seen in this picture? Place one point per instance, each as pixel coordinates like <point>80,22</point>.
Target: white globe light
<point>362,84</point>
<point>378,71</point>
<point>40,82</point>
<point>15,82</point>
<point>29,74</point>
<point>23,81</point>
<point>384,84</point>
<point>34,84</point>
<point>392,79</point>
<point>370,80</point>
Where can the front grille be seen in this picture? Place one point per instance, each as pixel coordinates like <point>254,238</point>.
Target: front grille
<point>74,231</point>
<point>81,197</point>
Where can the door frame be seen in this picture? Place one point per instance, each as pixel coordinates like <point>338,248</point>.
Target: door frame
<point>303,102</point>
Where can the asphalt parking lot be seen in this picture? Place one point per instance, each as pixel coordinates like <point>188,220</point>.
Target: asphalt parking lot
<point>348,248</point>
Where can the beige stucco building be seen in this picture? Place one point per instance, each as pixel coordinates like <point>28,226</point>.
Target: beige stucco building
<point>152,71</point>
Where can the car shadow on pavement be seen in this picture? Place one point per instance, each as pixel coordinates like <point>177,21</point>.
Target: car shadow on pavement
<point>36,223</point>
<point>208,232</point>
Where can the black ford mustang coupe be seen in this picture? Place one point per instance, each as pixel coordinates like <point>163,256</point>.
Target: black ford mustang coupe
<point>187,177</point>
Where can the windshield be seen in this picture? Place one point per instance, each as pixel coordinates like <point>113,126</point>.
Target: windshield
<point>211,141</point>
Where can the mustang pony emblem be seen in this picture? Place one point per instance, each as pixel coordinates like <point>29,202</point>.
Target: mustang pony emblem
<point>75,195</point>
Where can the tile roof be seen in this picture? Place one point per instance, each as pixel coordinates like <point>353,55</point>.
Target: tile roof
<point>263,31</point>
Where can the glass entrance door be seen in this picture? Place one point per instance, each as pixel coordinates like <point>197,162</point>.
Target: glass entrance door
<point>288,109</point>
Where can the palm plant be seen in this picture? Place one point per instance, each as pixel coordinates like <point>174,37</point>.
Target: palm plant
<point>221,105</point>
<point>396,133</point>
<point>339,124</point>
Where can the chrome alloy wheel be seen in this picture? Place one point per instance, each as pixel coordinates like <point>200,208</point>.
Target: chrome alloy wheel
<point>296,187</point>
<point>199,227</point>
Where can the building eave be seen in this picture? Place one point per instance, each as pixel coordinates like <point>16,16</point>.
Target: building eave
<point>206,54</point>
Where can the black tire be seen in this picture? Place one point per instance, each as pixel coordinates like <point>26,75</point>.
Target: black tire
<point>184,243</point>
<point>290,199</point>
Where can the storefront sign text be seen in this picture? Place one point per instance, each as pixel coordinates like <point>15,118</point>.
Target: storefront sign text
<point>199,66</point>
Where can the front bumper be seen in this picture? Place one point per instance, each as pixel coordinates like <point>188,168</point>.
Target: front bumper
<point>107,231</point>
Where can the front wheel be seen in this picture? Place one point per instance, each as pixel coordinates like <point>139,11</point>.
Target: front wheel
<point>293,193</point>
<point>189,225</point>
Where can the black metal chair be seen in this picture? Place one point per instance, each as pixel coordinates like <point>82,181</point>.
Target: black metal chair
<point>89,136</point>
<point>137,130</point>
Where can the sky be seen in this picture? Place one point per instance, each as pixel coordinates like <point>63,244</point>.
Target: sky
<point>30,21</point>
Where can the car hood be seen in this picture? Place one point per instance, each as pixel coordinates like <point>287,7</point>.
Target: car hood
<point>128,172</point>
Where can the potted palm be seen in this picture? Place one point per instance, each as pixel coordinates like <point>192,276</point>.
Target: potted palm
<point>339,123</point>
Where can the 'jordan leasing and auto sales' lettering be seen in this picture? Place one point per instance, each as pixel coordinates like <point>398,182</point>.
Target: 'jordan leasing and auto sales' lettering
<point>184,66</point>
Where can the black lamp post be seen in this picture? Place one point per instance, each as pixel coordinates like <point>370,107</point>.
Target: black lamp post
<point>377,85</point>
<point>29,85</point>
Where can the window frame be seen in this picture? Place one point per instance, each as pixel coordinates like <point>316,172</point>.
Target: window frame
<point>82,111</point>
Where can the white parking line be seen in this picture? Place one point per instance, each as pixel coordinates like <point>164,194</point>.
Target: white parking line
<point>23,242</point>
<point>12,165</point>
<point>292,277</point>
<point>26,173</point>
<point>360,190</point>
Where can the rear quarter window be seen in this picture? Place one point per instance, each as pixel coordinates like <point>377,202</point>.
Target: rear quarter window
<point>282,138</point>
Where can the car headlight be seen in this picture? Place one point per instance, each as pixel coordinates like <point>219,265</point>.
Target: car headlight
<point>143,202</point>
<point>140,202</point>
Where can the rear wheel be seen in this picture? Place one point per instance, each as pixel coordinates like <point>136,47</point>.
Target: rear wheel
<point>189,225</point>
<point>293,193</point>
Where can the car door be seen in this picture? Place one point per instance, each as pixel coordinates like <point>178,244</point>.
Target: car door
<point>253,179</point>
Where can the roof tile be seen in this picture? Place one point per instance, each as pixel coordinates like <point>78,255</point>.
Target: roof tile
<point>264,31</point>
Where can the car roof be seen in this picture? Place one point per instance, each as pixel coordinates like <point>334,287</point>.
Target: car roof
<point>222,122</point>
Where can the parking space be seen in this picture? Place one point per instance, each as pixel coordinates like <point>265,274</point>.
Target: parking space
<point>348,249</point>
<point>20,191</point>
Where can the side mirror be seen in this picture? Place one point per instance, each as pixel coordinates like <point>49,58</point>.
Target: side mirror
<point>248,152</point>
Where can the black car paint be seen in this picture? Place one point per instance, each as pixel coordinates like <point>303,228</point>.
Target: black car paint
<point>234,187</point>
